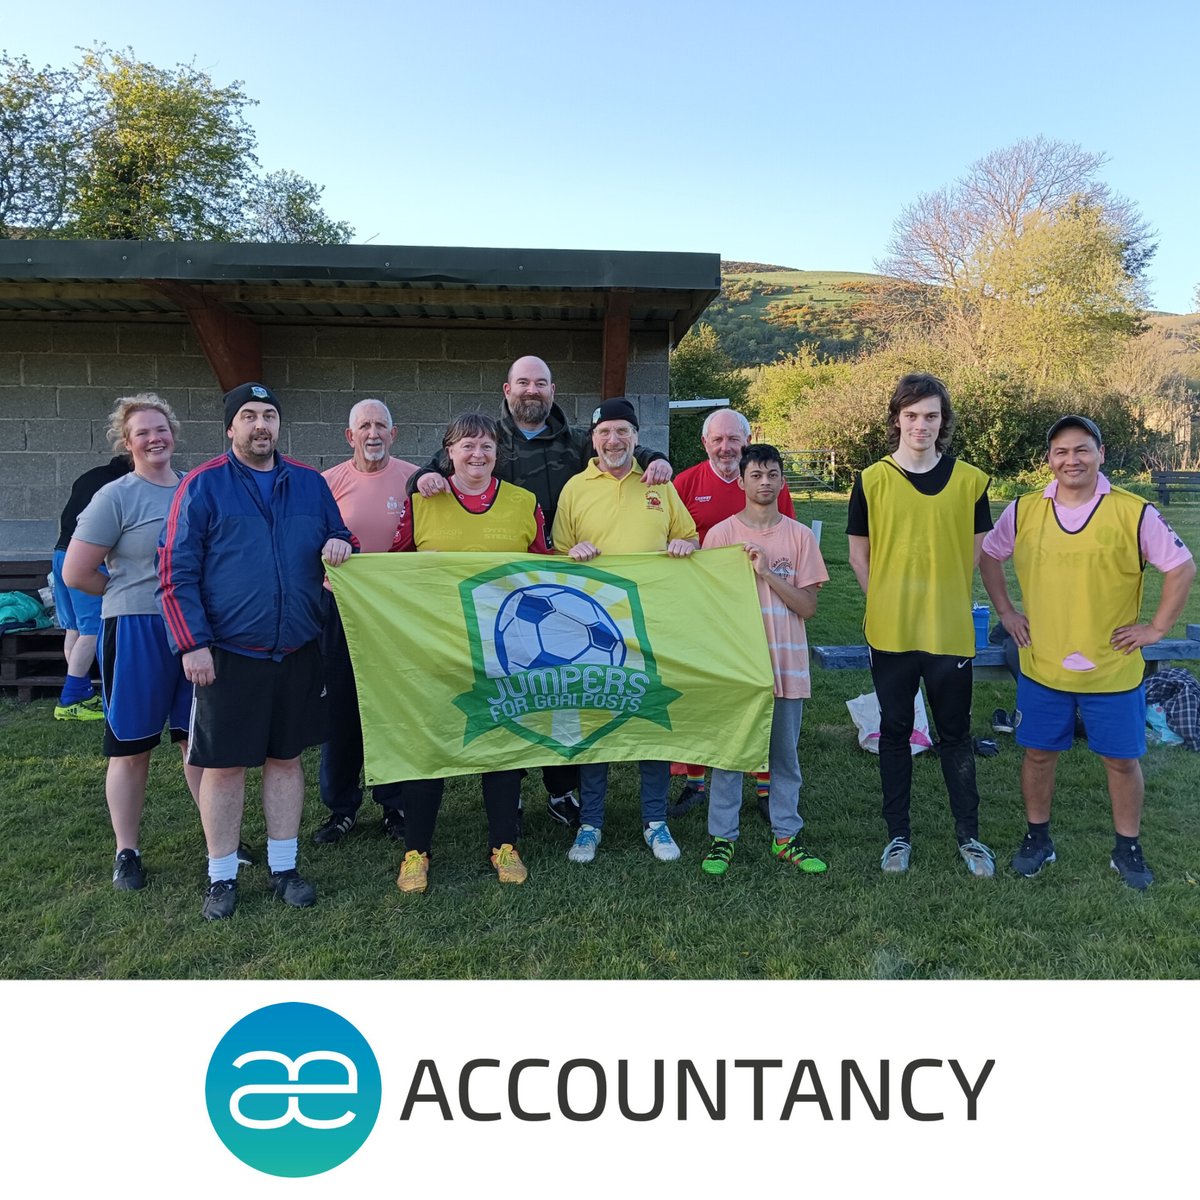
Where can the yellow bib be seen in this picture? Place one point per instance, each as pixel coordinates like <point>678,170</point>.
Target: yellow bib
<point>441,523</point>
<point>922,560</point>
<point>1076,588</point>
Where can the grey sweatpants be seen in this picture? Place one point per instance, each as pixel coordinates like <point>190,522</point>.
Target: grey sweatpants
<point>725,789</point>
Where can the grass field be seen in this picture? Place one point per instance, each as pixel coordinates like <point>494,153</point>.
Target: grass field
<point>626,916</point>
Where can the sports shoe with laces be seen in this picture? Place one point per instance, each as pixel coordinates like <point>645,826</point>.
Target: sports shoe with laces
<point>980,860</point>
<point>1131,867</point>
<point>896,855</point>
<point>246,855</point>
<point>689,796</point>
<point>662,844</point>
<point>91,709</point>
<point>586,842</point>
<point>128,874</point>
<point>1002,721</point>
<point>564,809</point>
<point>793,853</point>
<point>718,858</point>
<point>219,900</point>
<point>393,823</point>
<point>508,864</point>
<point>1032,855</point>
<point>414,872</point>
<point>289,887</point>
<point>334,829</point>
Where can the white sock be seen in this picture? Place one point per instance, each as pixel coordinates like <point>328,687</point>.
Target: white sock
<point>225,867</point>
<point>281,854</point>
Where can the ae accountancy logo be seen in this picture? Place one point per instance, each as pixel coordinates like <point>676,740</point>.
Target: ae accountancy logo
<point>293,1089</point>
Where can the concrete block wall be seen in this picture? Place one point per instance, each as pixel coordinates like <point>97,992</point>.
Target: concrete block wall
<point>58,382</point>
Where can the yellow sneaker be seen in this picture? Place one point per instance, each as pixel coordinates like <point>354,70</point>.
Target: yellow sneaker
<point>90,709</point>
<point>414,872</point>
<point>508,865</point>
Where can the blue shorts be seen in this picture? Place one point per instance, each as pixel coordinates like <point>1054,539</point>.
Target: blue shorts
<point>143,685</point>
<point>1115,721</point>
<point>74,609</point>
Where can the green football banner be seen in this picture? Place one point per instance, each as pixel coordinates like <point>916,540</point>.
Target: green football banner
<point>484,662</point>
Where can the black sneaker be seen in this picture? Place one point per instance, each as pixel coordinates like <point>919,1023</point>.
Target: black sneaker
<point>334,829</point>
<point>245,855</point>
<point>564,809</point>
<point>220,900</point>
<point>688,798</point>
<point>291,889</point>
<point>128,874</point>
<point>1002,722</point>
<point>393,823</point>
<point>1034,853</point>
<point>1132,870</point>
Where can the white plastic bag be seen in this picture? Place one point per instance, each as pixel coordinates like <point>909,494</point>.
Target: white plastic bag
<point>864,711</point>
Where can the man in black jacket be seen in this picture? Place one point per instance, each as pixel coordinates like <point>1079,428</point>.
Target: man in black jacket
<point>539,450</point>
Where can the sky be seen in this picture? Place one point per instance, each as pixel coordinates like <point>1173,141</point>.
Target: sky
<point>790,133</point>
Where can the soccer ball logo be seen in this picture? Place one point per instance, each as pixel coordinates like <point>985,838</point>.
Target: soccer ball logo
<point>548,625</point>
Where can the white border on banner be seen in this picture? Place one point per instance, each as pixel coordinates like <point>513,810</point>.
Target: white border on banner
<point>1093,1086</point>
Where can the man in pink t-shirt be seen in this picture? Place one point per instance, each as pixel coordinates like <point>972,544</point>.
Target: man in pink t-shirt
<point>711,492</point>
<point>1080,551</point>
<point>790,571</point>
<point>369,488</point>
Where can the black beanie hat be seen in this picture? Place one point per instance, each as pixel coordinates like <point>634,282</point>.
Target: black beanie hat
<point>247,393</point>
<point>616,409</point>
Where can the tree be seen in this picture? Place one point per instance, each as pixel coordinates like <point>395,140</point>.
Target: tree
<point>286,207</point>
<point>1029,249</point>
<point>119,148</point>
<point>700,367</point>
<point>40,141</point>
<point>167,152</point>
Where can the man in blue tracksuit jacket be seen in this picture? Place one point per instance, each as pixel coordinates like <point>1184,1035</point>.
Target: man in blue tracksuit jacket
<point>241,563</point>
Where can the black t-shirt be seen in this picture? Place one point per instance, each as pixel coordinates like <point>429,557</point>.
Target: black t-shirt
<point>928,483</point>
<point>82,491</point>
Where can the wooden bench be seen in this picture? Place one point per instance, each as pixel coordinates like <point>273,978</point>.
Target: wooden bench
<point>1175,483</point>
<point>31,660</point>
<point>989,661</point>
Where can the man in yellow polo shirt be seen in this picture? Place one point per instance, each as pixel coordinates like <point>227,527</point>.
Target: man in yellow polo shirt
<point>608,508</point>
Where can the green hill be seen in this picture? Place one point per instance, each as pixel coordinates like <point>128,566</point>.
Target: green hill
<point>765,311</point>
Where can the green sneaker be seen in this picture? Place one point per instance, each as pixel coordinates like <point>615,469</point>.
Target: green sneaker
<point>718,858</point>
<point>795,855</point>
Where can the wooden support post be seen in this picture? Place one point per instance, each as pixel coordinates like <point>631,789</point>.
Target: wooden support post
<point>616,345</point>
<point>230,342</point>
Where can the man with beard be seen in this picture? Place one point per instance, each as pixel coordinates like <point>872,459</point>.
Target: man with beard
<point>611,509</point>
<point>241,566</point>
<point>539,451</point>
<point>369,488</point>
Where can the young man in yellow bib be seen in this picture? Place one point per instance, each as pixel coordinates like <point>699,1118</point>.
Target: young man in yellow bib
<point>1080,549</point>
<point>916,521</point>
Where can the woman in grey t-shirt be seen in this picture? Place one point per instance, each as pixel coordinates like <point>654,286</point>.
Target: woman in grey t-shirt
<point>143,683</point>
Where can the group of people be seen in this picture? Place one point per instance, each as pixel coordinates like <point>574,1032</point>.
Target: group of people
<point>216,621</point>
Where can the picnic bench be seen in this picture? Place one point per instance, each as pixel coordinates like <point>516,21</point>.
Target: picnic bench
<point>31,660</point>
<point>989,660</point>
<point>1175,483</point>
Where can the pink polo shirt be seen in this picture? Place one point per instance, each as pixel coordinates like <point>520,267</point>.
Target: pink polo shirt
<point>1160,545</point>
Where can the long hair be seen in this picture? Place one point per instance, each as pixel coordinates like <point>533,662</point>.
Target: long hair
<point>909,390</point>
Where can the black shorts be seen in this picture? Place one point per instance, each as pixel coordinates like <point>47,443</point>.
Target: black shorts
<point>258,709</point>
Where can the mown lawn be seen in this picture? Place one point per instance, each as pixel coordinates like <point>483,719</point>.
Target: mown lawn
<point>627,916</point>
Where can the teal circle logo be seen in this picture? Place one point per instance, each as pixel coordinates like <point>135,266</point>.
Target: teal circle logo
<point>293,1090</point>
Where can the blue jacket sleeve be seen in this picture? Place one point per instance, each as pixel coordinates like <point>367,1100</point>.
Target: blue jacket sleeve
<point>180,559</point>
